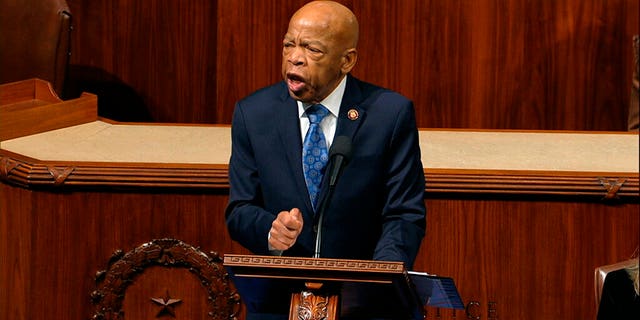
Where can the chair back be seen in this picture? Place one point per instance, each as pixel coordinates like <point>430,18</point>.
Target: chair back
<point>35,41</point>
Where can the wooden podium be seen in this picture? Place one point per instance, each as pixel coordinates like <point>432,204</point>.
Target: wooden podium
<point>322,288</point>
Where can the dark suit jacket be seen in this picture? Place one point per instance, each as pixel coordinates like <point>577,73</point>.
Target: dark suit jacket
<point>377,210</point>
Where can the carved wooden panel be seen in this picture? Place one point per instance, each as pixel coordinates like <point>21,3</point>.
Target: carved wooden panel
<point>125,269</point>
<point>310,305</point>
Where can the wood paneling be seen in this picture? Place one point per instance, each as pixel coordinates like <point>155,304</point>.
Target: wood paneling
<point>15,257</point>
<point>504,64</point>
<point>495,64</point>
<point>512,257</point>
<point>146,60</point>
<point>525,258</point>
<point>53,243</point>
<point>249,52</point>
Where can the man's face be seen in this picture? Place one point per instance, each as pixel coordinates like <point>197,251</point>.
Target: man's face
<point>312,60</point>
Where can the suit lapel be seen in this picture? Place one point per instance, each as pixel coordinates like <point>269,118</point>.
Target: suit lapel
<point>289,130</point>
<point>351,112</point>
<point>347,124</point>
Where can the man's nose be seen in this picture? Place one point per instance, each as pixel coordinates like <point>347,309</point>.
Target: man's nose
<point>296,56</point>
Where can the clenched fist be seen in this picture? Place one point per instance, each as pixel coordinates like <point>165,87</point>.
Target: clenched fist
<point>285,229</point>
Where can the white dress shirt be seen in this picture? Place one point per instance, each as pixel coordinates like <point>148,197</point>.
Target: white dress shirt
<point>329,123</point>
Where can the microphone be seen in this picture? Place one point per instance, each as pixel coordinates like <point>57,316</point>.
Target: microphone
<point>339,156</point>
<point>341,152</point>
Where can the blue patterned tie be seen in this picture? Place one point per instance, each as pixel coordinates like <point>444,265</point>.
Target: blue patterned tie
<point>314,152</point>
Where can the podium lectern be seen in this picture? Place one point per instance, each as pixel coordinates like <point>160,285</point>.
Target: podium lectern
<point>321,288</point>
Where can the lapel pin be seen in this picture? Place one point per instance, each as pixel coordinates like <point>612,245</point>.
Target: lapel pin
<point>353,114</point>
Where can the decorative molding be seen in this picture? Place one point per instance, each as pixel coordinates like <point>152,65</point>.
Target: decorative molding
<point>313,263</point>
<point>224,301</point>
<point>612,186</point>
<point>6,166</point>
<point>530,183</point>
<point>29,173</point>
<point>59,176</point>
<point>32,174</point>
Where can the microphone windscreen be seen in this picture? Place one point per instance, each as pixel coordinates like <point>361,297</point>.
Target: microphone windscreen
<point>341,146</point>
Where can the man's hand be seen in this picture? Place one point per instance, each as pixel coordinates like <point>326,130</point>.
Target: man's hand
<point>285,229</point>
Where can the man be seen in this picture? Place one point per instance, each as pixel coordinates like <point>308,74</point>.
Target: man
<point>377,210</point>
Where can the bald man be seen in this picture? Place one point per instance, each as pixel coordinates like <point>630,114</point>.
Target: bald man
<point>377,206</point>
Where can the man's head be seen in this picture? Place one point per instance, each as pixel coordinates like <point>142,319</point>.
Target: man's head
<point>319,49</point>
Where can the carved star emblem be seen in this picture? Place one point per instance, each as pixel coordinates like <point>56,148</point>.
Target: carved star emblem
<point>167,305</point>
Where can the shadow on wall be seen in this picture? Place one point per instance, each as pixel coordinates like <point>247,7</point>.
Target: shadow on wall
<point>116,100</point>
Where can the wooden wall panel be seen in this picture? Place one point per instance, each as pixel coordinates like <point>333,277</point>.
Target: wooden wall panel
<point>511,258</point>
<point>486,64</point>
<point>53,243</point>
<point>15,258</point>
<point>146,60</point>
<point>503,64</point>
<point>249,51</point>
<point>524,258</point>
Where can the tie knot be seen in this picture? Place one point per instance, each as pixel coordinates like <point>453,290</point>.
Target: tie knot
<point>316,113</point>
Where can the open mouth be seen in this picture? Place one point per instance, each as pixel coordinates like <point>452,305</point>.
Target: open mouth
<point>295,82</point>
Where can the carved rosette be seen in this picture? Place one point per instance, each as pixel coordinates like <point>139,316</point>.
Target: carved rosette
<point>312,307</point>
<point>123,268</point>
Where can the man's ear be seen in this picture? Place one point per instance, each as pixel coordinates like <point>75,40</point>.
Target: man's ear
<point>349,60</point>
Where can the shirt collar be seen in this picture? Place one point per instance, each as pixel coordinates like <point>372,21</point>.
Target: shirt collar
<point>331,102</point>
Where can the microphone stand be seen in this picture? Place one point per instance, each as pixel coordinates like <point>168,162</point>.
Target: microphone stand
<point>339,156</point>
<point>321,210</point>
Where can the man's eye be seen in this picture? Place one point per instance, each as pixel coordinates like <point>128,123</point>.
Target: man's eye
<point>314,50</point>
